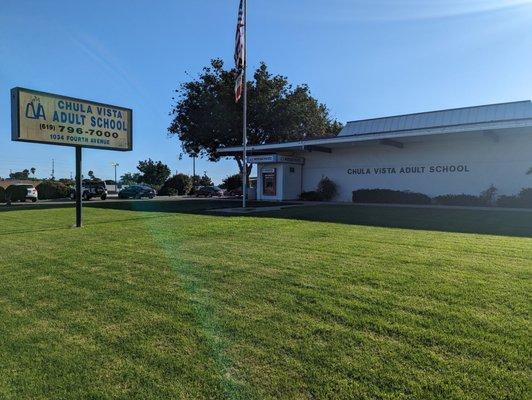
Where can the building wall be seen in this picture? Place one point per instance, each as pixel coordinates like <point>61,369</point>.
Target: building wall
<point>436,165</point>
<point>291,181</point>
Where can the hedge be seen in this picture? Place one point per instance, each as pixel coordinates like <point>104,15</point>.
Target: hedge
<point>312,195</point>
<point>460,200</point>
<point>52,190</point>
<point>389,196</point>
<point>16,193</point>
<point>522,200</point>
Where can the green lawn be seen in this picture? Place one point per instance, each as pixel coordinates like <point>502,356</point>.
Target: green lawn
<point>166,301</point>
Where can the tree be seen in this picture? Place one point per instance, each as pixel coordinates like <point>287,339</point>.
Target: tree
<point>22,175</point>
<point>232,182</point>
<point>529,172</point>
<point>204,180</point>
<point>91,174</point>
<point>180,184</point>
<point>206,117</point>
<point>32,169</point>
<point>130,179</point>
<point>153,173</point>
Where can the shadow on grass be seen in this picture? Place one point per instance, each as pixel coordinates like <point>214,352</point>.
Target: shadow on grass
<point>492,222</point>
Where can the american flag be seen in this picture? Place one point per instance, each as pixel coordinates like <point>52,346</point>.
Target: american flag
<point>239,39</point>
<point>239,52</point>
<point>239,86</point>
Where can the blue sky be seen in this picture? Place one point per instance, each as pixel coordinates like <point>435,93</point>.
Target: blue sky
<point>363,58</point>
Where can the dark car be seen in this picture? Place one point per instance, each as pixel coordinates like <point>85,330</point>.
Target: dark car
<point>235,192</point>
<point>209,191</point>
<point>137,192</point>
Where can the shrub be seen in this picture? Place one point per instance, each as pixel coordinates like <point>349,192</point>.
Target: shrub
<point>16,193</point>
<point>180,184</point>
<point>52,190</point>
<point>312,195</point>
<point>2,194</point>
<point>389,196</point>
<point>522,200</point>
<point>327,189</point>
<point>459,200</point>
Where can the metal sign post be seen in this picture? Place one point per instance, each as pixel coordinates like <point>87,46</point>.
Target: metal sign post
<point>79,195</point>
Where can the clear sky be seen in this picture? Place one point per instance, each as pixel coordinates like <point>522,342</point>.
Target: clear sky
<point>363,58</point>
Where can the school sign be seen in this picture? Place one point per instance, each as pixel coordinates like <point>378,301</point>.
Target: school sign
<point>54,119</point>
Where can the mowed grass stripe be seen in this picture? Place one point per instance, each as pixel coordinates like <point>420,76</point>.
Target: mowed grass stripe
<point>144,304</point>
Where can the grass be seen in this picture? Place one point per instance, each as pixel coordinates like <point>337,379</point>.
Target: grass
<point>172,302</point>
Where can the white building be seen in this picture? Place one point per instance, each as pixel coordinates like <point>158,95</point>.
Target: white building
<point>463,150</point>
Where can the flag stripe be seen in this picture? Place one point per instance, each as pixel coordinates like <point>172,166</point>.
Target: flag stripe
<point>239,37</point>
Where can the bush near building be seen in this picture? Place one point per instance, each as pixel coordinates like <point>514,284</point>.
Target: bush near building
<point>312,195</point>
<point>325,191</point>
<point>389,196</point>
<point>179,184</point>
<point>52,190</point>
<point>460,200</point>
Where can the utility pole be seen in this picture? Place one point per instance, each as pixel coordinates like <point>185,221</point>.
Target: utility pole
<point>194,169</point>
<point>116,182</point>
<point>53,169</point>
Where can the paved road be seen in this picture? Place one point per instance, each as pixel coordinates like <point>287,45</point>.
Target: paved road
<point>113,198</point>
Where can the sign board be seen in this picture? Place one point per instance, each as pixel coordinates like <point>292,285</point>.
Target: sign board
<point>270,158</point>
<point>53,119</point>
<point>275,158</point>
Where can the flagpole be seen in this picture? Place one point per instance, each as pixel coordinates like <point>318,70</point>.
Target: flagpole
<point>245,111</point>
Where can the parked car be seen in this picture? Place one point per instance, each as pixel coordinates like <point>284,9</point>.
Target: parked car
<point>209,191</point>
<point>90,189</point>
<point>137,192</point>
<point>235,192</point>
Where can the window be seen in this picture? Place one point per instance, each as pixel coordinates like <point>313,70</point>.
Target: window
<point>292,169</point>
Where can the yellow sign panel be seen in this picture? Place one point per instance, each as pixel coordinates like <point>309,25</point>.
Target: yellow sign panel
<point>54,119</point>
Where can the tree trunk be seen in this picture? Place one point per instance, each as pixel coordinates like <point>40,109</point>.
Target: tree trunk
<point>241,167</point>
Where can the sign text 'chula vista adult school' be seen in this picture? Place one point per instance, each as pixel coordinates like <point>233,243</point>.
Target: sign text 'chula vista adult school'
<point>54,119</point>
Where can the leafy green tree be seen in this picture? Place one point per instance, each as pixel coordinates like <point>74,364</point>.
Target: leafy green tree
<point>179,184</point>
<point>32,169</point>
<point>205,180</point>
<point>130,178</point>
<point>232,182</point>
<point>206,117</point>
<point>22,175</point>
<point>153,173</point>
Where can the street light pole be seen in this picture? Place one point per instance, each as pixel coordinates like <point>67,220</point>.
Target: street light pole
<point>116,183</point>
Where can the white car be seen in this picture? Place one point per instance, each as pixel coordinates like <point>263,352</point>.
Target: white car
<point>31,192</point>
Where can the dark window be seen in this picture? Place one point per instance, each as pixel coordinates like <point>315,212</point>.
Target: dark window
<point>292,169</point>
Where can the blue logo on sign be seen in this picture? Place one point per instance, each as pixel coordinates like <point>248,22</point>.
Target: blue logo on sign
<point>34,109</point>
